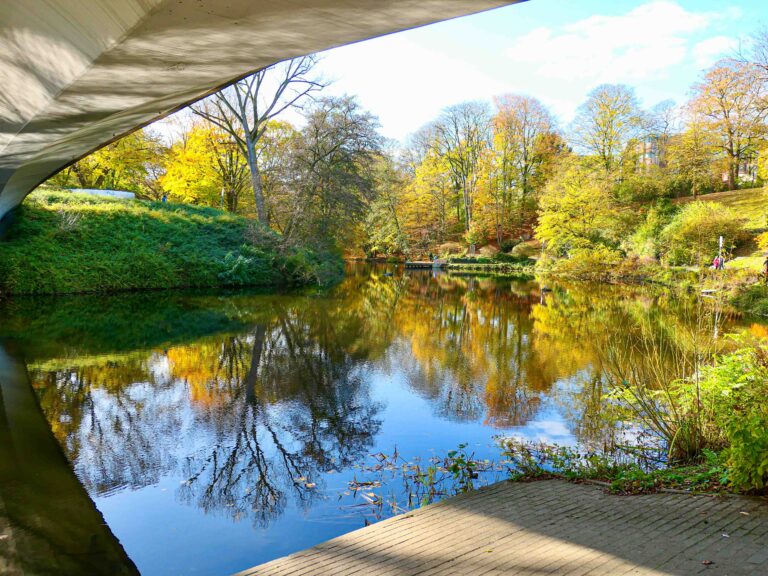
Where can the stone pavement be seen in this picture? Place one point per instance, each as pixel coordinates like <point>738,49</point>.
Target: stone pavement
<point>549,527</point>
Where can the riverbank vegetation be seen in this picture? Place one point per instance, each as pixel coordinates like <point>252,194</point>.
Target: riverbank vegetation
<point>69,243</point>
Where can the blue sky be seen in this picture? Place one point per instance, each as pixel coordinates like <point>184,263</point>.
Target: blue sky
<point>555,50</point>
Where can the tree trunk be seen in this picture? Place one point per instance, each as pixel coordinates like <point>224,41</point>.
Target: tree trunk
<point>258,191</point>
<point>253,373</point>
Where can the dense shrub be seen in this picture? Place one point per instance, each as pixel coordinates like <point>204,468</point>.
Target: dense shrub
<point>723,409</point>
<point>738,387</point>
<point>592,264</point>
<point>646,240</point>
<point>753,300</point>
<point>693,234</point>
<point>644,186</point>
<point>506,246</point>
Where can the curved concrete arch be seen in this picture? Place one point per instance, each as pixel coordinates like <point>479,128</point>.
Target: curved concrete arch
<point>78,74</point>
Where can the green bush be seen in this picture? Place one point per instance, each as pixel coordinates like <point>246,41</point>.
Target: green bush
<point>592,264</point>
<point>753,300</point>
<point>723,410</point>
<point>738,387</point>
<point>692,236</point>
<point>506,246</point>
<point>646,186</point>
<point>510,259</point>
<point>646,240</point>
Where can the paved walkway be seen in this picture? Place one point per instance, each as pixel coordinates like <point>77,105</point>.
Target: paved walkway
<point>549,527</point>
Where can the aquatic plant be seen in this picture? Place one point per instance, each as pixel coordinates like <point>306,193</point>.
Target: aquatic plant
<point>393,484</point>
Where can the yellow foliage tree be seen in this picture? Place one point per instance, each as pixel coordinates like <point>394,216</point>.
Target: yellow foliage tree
<point>189,169</point>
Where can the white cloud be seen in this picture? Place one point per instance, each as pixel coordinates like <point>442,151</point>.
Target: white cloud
<point>708,51</point>
<point>406,83</point>
<point>639,45</point>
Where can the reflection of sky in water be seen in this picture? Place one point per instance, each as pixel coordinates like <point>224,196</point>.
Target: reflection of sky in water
<point>157,530</point>
<point>200,453</point>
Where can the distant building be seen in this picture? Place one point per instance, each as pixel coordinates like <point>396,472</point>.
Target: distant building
<point>746,171</point>
<point>649,151</point>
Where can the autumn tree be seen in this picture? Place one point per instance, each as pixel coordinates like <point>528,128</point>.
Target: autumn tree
<point>462,136</point>
<point>245,108</point>
<point>691,153</point>
<point>384,230</point>
<point>607,123</point>
<point>189,174</point>
<point>275,151</point>
<point>732,99</point>
<point>131,163</point>
<point>759,52</point>
<point>521,128</point>
<point>230,166</point>
<point>333,166</point>
<point>427,203</point>
<point>661,124</point>
<point>577,211</point>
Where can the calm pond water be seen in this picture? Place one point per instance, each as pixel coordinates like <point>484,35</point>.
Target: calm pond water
<point>217,431</point>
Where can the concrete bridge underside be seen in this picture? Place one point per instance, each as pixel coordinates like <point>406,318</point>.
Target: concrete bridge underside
<point>78,74</point>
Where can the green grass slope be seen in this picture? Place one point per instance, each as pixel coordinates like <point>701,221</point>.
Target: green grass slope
<point>70,243</point>
<point>751,204</point>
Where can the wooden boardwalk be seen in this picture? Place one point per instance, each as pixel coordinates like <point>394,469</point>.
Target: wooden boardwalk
<point>550,527</point>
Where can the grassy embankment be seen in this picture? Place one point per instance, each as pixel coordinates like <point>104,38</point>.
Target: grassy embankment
<point>751,205</point>
<point>72,243</point>
<point>741,278</point>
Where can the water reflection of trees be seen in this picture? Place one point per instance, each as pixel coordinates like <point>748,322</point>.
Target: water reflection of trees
<point>113,419</point>
<point>597,333</point>
<point>303,408</point>
<point>267,411</point>
<point>466,345</point>
<point>262,413</point>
